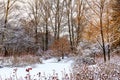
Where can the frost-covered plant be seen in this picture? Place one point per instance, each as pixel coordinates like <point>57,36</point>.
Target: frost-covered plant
<point>104,71</point>
<point>28,76</point>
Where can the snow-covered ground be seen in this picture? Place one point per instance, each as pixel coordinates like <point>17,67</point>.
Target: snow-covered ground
<point>48,68</point>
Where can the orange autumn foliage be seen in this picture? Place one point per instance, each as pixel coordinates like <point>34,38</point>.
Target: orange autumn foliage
<point>60,46</point>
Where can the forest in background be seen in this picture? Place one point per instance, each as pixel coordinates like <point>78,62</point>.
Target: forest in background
<point>59,27</point>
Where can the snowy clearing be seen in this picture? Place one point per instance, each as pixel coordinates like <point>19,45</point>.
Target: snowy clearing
<point>48,68</point>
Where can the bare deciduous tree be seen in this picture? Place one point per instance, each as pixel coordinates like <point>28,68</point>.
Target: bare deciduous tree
<point>7,7</point>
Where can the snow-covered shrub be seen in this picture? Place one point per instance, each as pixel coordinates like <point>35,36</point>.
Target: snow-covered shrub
<point>109,71</point>
<point>25,60</point>
<point>6,61</point>
<point>20,61</point>
<point>83,73</point>
<point>102,71</point>
<point>48,54</point>
<point>89,49</point>
<point>39,52</point>
<point>116,52</point>
<point>61,47</point>
<point>85,60</point>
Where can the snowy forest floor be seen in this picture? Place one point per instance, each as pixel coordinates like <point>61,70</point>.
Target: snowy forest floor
<point>48,68</point>
<point>51,69</point>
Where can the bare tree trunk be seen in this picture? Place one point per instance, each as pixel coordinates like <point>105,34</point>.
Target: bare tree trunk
<point>36,22</point>
<point>103,44</point>
<point>108,52</point>
<point>36,37</point>
<point>43,42</point>
<point>58,19</point>
<point>70,37</point>
<point>72,31</point>
<point>58,34</point>
<point>5,26</point>
<point>101,29</point>
<point>55,31</point>
<point>79,28</point>
<point>108,36</point>
<point>69,25</point>
<point>46,15</point>
<point>46,48</point>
